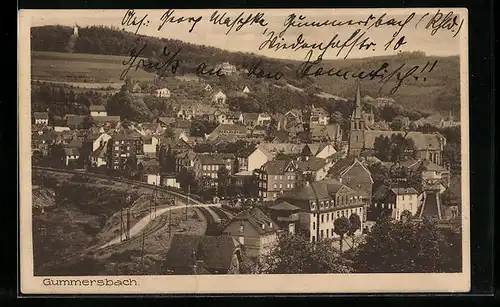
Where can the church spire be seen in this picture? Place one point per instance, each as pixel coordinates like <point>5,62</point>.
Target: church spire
<point>358,110</point>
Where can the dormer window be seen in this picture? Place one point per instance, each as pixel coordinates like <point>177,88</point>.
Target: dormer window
<point>241,228</point>
<point>263,226</point>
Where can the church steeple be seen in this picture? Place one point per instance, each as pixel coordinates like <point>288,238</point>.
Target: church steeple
<point>357,126</point>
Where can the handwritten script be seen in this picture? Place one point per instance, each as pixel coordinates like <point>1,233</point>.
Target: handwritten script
<point>309,37</point>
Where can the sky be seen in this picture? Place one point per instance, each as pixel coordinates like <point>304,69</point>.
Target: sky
<point>250,37</point>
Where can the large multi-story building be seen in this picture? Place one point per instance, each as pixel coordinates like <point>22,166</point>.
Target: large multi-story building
<point>123,146</point>
<point>321,203</point>
<point>277,176</point>
<point>209,164</point>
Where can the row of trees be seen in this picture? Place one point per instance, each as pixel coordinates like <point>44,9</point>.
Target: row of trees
<point>391,247</point>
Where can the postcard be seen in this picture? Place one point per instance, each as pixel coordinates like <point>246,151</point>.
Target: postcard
<point>258,151</point>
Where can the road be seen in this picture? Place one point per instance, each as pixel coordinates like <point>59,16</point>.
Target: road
<point>141,224</point>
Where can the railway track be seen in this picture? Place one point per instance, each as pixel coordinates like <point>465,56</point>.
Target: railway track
<point>118,179</point>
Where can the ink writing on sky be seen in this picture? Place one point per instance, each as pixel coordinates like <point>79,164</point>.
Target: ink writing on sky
<point>295,34</point>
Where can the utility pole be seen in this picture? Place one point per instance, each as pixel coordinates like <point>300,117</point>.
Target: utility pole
<point>169,222</point>
<point>128,223</point>
<point>121,224</point>
<point>142,250</point>
<point>187,201</point>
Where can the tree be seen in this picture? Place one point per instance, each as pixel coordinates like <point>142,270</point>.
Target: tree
<point>341,227</point>
<point>354,225</point>
<point>223,181</point>
<point>382,147</point>
<point>295,254</point>
<point>406,216</point>
<point>407,247</point>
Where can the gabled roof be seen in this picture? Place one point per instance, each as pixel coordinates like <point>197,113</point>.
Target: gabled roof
<point>285,206</point>
<point>71,152</point>
<point>100,152</point>
<point>74,120</point>
<point>322,190</point>
<point>262,223</point>
<point>97,108</point>
<point>41,115</point>
<point>183,124</point>
<point>230,129</point>
<point>75,143</point>
<point>216,252</point>
<point>250,116</point>
<point>214,159</point>
<point>422,141</point>
<point>106,119</point>
<point>167,120</point>
<point>342,166</point>
<point>126,135</point>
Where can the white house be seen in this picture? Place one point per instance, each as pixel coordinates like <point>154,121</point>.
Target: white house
<point>75,30</point>
<point>98,157</point>
<point>219,98</point>
<point>41,118</point>
<point>246,90</point>
<point>208,88</point>
<point>171,181</point>
<point>98,140</point>
<point>264,119</point>
<point>71,154</point>
<point>162,92</point>
<point>151,173</point>
<point>404,199</point>
<point>98,110</point>
<point>150,144</point>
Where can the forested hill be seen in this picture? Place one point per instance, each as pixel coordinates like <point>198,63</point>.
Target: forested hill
<point>440,91</point>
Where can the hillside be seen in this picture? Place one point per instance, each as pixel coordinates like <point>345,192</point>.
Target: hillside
<point>438,93</point>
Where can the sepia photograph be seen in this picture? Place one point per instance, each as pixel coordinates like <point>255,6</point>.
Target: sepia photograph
<point>244,148</point>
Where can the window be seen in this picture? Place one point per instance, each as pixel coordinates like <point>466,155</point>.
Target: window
<point>275,185</point>
<point>275,177</point>
<point>275,195</point>
<point>117,148</point>
<point>291,185</point>
<point>322,218</point>
<point>313,239</point>
<point>321,234</point>
<point>281,186</point>
<point>281,177</point>
<point>332,232</point>
<point>314,225</point>
<point>332,216</point>
<point>403,197</point>
<point>287,185</point>
<point>327,217</point>
<point>241,228</point>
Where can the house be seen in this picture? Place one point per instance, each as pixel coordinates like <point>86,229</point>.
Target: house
<point>319,116</point>
<point>106,121</point>
<point>41,118</point>
<point>96,140</point>
<point>208,165</point>
<point>186,113</point>
<point>250,119</point>
<point>318,150</point>
<point>278,176</point>
<point>281,136</point>
<point>234,130</point>
<point>254,230</point>
<point>150,145</point>
<point>98,156</point>
<point>208,88</point>
<point>428,146</point>
<point>354,174</point>
<point>170,180</point>
<point>71,155</point>
<point>151,129</point>
<point>165,121</point>
<point>226,68</point>
<point>123,146</point>
<point>184,160</point>
<point>393,202</point>
<point>195,255</point>
<point>219,98</point>
<point>320,203</point>
<point>264,119</point>
<point>43,142</point>
<point>97,110</point>
<point>246,90</point>
<point>331,133</point>
<point>253,159</point>
<point>285,215</point>
<point>150,170</point>
<point>136,88</point>
<point>59,124</point>
<point>162,93</point>
<point>75,121</point>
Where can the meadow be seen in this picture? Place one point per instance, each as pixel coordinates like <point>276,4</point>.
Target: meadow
<point>82,70</point>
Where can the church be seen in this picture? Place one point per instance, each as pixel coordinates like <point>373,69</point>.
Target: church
<point>362,138</point>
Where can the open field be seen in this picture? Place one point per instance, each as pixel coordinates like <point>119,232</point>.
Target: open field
<point>83,70</point>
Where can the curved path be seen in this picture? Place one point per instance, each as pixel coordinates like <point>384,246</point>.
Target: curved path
<point>141,224</point>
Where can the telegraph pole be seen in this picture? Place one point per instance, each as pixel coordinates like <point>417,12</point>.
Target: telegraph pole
<point>128,223</point>
<point>187,201</point>
<point>142,250</point>
<point>121,224</point>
